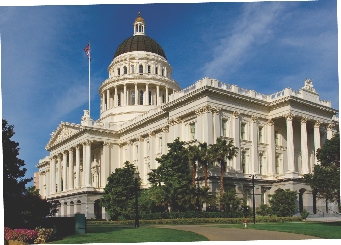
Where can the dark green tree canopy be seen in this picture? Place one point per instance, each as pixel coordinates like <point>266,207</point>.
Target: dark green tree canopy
<point>120,191</point>
<point>14,171</point>
<point>325,180</point>
<point>283,202</point>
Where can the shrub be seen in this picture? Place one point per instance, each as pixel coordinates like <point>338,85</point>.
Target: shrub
<point>23,235</point>
<point>304,214</point>
<point>264,210</point>
<point>45,235</point>
<point>283,202</point>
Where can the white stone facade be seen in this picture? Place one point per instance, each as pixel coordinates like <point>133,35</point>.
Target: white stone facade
<point>143,109</point>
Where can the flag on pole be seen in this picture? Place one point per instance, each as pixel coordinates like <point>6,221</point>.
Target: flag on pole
<point>87,50</point>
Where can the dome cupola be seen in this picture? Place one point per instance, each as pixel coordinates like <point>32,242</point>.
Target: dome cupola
<point>139,25</point>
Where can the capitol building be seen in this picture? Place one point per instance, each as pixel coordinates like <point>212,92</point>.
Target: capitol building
<point>142,109</point>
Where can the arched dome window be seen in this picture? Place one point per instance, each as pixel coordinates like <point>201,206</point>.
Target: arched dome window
<point>118,72</point>
<point>125,70</point>
<point>119,100</point>
<point>156,70</point>
<point>163,98</point>
<point>132,97</point>
<point>132,69</point>
<point>141,69</point>
<point>162,72</point>
<point>148,69</point>
<point>141,97</point>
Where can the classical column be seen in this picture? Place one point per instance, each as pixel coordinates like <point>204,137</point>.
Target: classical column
<point>64,170</point>
<point>157,95</point>
<point>71,178</point>
<point>254,146</point>
<point>330,131</point>
<point>271,151</point>
<point>290,143</point>
<point>115,98</point>
<point>47,182</point>
<point>58,177</point>
<point>217,125</point>
<point>53,175</point>
<point>151,149</point>
<point>87,166</point>
<point>236,136</point>
<point>317,143</point>
<point>105,170</point>
<point>147,96</point>
<point>166,94</point>
<point>136,95</point>
<point>77,167</point>
<point>108,99</point>
<point>103,102</point>
<point>165,131</point>
<point>198,126</point>
<point>140,163</point>
<point>304,146</point>
<point>124,95</point>
<point>207,118</point>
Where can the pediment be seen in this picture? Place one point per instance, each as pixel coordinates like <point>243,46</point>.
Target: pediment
<point>63,132</point>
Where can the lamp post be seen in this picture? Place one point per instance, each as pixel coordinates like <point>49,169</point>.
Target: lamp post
<point>136,177</point>
<point>253,198</point>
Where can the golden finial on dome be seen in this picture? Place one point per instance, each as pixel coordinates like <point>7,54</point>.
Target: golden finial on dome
<point>139,18</point>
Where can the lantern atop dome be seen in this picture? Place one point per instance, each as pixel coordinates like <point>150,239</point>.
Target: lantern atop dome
<point>139,25</point>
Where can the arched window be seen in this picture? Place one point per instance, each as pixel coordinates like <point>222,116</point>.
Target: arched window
<point>141,69</point>
<point>150,98</point>
<point>163,98</point>
<point>125,70</point>
<point>119,100</point>
<point>133,97</point>
<point>141,97</point>
<point>148,69</point>
<point>132,69</point>
<point>118,71</point>
<point>162,72</point>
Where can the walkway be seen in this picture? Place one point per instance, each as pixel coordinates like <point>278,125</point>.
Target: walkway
<point>214,233</point>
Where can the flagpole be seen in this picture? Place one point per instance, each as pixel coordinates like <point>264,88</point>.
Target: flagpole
<point>89,76</point>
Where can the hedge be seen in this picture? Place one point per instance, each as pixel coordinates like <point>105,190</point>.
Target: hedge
<point>189,221</point>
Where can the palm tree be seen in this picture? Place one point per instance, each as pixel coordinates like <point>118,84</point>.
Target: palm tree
<point>193,152</point>
<point>203,158</point>
<point>220,151</point>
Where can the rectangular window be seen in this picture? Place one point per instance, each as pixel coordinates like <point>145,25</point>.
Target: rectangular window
<point>156,70</point>
<point>224,125</point>
<point>119,100</point>
<point>192,131</point>
<point>276,138</point>
<point>132,69</point>
<point>277,164</point>
<point>260,165</point>
<point>148,69</point>
<point>242,131</point>
<point>244,162</point>
<point>260,134</point>
<point>118,71</point>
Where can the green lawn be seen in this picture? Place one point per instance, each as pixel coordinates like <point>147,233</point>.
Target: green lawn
<point>329,230</point>
<point>120,234</point>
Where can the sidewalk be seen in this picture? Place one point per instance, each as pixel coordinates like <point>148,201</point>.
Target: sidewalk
<point>324,219</point>
<point>233,234</point>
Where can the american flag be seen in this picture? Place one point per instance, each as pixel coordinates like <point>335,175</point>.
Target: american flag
<point>87,50</point>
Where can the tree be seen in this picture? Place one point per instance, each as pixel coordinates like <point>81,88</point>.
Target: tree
<point>325,179</point>
<point>119,192</point>
<point>203,159</point>
<point>220,151</point>
<point>230,200</point>
<point>171,180</point>
<point>282,202</point>
<point>14,181</point>
<point>193,154</point>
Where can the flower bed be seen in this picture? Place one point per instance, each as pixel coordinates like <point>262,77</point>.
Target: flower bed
<point>20,235</point>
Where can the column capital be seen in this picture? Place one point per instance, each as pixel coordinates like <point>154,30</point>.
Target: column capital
<point>317,124</point>
<point>289,116</point>
<point>254,119</point>
<point>87,142</point>
<point>77,147</point>
<point>236,114</point>
<point>165,129</point>
<point>151,133</point>
<point>140,139</point>
<point>330,126</point>
<point>106,143</point>
<point>304,120</point>
<point>270,122</point>
<point>70,151</point>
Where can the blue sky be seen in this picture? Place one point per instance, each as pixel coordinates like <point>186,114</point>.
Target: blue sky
<point>265,46</point>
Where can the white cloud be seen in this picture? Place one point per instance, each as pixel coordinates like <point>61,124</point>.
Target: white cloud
<point>253,27</point>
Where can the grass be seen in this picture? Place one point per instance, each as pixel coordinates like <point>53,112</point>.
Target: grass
<point>121,234</point>
<point>329,230</point>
